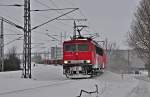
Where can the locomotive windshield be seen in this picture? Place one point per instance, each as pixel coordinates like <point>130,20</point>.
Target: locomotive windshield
<point>82,47</point>
<point>76,47</point>
<point>70,47</point>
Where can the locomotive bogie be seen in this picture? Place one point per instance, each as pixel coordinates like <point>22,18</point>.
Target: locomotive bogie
<point>77,69</point>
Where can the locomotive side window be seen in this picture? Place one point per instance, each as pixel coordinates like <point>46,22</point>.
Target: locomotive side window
<point>70,47</point>
<point>99,50</point>
<point>82,47</point>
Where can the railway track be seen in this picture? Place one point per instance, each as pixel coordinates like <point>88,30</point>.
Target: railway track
<point>44,86</point>
<point>38,87</point>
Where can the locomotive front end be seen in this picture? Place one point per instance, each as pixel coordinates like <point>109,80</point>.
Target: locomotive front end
<point>77,57</point>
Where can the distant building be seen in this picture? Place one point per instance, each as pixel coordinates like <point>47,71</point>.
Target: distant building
<point>56,53</point>
<point>134,60</point>
<point>124,61</point>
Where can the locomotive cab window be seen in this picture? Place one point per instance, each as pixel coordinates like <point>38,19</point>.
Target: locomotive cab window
<point>70,47</point>
<point>82,47</point>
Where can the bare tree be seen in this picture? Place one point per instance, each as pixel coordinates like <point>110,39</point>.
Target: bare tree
<point>116,59</point>
<point>139,36</point>
<point>11,62</point>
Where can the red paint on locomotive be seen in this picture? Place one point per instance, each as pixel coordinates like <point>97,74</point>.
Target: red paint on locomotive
<point>79,52</point>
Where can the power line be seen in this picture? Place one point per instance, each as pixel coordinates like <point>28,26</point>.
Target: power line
<point>89,23</point>
<point>74,19</point>
<point>58,7</point>
<point>2,38</point>
<point>11,23</point>
<point>81,13</point>
<point>52,9</point>
<point>60,12</point>
<point>13,5</point>
<point>43,4</point>
<point>13,34</point>
<point>17,5</point>
<point>13,40</point>
<point>8,31</point>
<point>38,38</point>
<point>51,37</point>
<point>55,18</point>
<point>54,25</point>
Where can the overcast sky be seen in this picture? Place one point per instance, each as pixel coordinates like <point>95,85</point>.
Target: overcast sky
<point>110,18</point>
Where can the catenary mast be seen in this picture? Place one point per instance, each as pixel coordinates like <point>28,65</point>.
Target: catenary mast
<point>27,41</point>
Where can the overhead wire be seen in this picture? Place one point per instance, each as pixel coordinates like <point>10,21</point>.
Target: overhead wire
<point>49,7</point>
<point>43,4</point>
<point>46,17</point>
<point>46,42</point>
<point>43,39</point>
<point>8,34</point>
<point>12,17</point>
<point>13,34</point>
<point>47,35</point>
<point>8,31</point>
<point>18,34</point>
<point>53,26</point>
<point>52,9</point>
<point>58,8</point>
<point>89,23</point>
<point>81,13</point>
<point>54,19</point>
<point>57,27</point>
<point>46,6</point>
<point>6,11</point>
<point>60,12</point>
<point>13,40</point>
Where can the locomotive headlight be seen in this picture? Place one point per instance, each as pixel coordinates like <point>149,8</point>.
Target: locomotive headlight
<point>65,62</point>
<point>88,61</point>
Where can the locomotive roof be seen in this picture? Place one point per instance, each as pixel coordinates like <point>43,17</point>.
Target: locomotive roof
<point>83,40</point>
<point>77,40</point>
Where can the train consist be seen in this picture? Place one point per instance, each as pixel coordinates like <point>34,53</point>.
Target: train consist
<point>82,57</point>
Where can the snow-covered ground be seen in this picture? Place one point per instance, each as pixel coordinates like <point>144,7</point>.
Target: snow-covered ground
<point>49,81</point>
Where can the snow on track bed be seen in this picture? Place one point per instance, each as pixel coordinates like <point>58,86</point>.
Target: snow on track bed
<point>49,81</point>
<point>48,73</point>
<point>141,90</point>
<point>34,87</point>
<point>144,78</point>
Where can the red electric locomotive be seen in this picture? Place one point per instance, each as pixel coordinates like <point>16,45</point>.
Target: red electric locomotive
<point>82,57</point>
